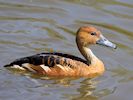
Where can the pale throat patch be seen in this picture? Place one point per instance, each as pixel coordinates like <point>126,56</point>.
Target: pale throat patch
<point>90,55</point>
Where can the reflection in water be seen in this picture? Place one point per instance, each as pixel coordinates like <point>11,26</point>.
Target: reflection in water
<point>72,89</point>
<point>30,27</point>
<point>86,90</point>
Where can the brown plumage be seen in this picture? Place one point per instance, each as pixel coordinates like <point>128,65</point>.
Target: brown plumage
<point>59,64</point>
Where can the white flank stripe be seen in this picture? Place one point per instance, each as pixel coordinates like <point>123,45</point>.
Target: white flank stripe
<point>61,67</point>
<point>17,67</point>
<point>46,68</point>
<point>27,65</point>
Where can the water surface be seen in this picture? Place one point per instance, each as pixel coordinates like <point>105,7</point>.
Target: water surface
<point>32,26</point>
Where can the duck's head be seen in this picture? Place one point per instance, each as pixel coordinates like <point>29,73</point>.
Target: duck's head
<point>88,35</point>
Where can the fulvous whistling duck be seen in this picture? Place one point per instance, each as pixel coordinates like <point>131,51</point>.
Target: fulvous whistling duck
<point>59,64</point>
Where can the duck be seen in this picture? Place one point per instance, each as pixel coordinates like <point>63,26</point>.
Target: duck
<point>62,64</point>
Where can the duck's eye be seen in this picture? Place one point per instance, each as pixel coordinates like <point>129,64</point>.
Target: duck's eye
<point>93,33</point>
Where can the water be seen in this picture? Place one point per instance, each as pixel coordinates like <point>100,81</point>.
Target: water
<point>32,26</point>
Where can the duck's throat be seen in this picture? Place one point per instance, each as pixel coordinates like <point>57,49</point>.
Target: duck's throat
<point>89,56</point>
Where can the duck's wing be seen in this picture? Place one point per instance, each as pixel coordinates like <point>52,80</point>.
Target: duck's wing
<point>43,62</point>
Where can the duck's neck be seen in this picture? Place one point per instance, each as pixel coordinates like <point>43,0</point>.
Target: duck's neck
<point>88,54</point>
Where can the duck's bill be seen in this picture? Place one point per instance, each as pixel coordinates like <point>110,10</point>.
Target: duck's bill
<point>103,41</point>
